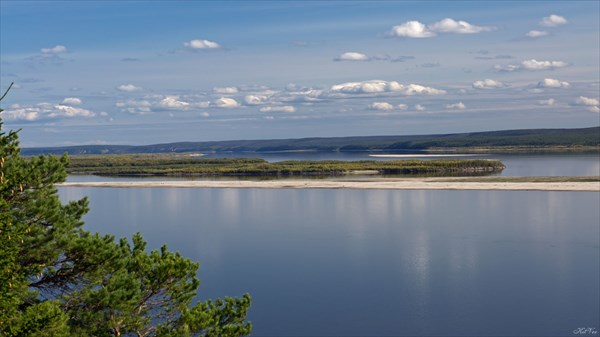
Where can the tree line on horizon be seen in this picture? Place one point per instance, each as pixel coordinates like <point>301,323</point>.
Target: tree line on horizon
<point>530,138</point>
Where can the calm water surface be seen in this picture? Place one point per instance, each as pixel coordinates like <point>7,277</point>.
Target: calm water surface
<point>373,262</point>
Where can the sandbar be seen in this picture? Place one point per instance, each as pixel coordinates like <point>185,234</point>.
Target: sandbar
<point>383,184</point>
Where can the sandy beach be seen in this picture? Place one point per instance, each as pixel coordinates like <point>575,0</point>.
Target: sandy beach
<point>388,184</point>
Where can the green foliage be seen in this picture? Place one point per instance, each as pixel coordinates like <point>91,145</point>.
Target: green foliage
<point>587,139</point>
<point>57,279</point>
<point>177,165</point>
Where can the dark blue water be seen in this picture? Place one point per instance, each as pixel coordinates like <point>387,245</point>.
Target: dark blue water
<point>379,263</point>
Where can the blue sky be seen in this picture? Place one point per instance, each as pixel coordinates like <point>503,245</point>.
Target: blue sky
<point>141,72</point>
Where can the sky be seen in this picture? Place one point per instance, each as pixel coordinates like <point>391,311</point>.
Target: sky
<point>147,72</point>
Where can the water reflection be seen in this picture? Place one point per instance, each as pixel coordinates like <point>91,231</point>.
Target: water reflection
<point>369,262</point>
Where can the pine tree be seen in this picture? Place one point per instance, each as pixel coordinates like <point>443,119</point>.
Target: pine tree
<point>58,279</point>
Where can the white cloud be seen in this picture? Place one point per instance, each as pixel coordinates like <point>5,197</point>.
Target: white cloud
<point>128,88</point>
<point>542,65</point>
<point>413,29</point>
<point>549,102</point>
<point>44,110</point>
<point>459,105</point>
<point>534,34</point>
<point>379,86</point>
<point>204,114</point>
<point>592,103</point>
<point>532,64</point>
<point>413,89</point>
<point>18,112</point>
<point>69,111</point>
<point>582,100</point>
<point>552,83</point>
<point>202,44</point>
<point>225,102</point>
<point>507,68</point>
<point>71,101</point>
<point>553,21</point>
<point>58,49</point>
<point>381,106</point>
<point>488,84</point>
<point>402,106</point>
<point>419,107</point>
<point>352,56</point>
<point>226,90</point>
<point>255,99</point>
<point>458,27</point>
<point>416,29</point>
<point>173,103</point>
<point>135,107</point>
<point>283,108</point>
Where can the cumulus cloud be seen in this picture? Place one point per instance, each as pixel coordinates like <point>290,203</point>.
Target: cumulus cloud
<point>412,29</point>
<point>255,99</point>
<point>458,27</point>
<point>381,106</point>
<point>459,105</point>
<point>58,49</point>
<point>553,83</point>
<point>582,100</point>
<point>202,44</point>
<point>402,106</point>
<point>416,29</point>
<point>157,103</point>
<point>548,102</point>
<point>128,88</point>
<point>44,111</point>
<point>488,84</point>
<point>283,108</point>
<point>419,107</point>
<point>136,107</point>
<point>173,103</point>
<point>592,103</point>
<point>532,65</point>
<point>379,86</point>
<point>25,113</point>
<point>542,65</point>
<point>70,111</point>
<point>553,21</point>
<point>71,101</point>
<point>225,90</point>
<point>534,34</point>
<point>225,102</point>
<point>352,56</point>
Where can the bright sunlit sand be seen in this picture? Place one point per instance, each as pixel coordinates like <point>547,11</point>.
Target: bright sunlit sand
<point>390,184</point>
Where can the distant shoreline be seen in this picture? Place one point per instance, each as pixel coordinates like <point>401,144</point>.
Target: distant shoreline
<point>383,184</point>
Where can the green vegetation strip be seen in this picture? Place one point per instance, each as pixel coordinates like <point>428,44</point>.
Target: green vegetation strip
<point>185,165</point>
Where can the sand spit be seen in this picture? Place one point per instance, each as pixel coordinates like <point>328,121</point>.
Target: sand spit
<point>384,184</point>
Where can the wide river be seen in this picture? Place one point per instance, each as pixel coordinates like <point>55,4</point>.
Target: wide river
<point>381,262</point>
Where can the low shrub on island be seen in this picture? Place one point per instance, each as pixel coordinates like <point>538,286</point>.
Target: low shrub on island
<point>165,165</point>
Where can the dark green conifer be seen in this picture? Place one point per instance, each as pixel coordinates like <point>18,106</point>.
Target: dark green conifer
<point>57,279</point>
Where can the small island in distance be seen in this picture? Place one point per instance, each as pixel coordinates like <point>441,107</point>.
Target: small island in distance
<point>185,159</point>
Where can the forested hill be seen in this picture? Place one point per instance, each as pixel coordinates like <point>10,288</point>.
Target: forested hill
<point>510,138</point>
